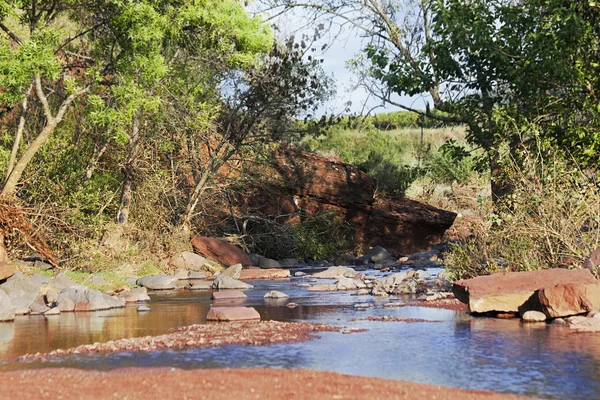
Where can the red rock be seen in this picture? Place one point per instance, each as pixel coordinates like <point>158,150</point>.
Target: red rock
<point>259,273</point>
<point>7,270</point>
<point>324,184</point>
<point>232,314</point>
<point>506,292</point>
<point>228,295</point>
<point>220,251</point>
<point>569,299</point>
<point>82,306</point>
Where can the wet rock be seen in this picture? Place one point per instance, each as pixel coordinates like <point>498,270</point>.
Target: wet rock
<point>394,304</point>
<point>143,309</point>
<point>227,282</point>
<point>232,314</point>
<point>228,295</point>
<point>127,296</point>
<point>407,286</point>
<point>141,294</point>
<point>233,272</point>
<point>52,311</point>
<point>349,284</point>
<point>258,273</point>
<point>379,292</point>
<point>389,283</point>
<point>267,263</point>
<point>534,316</point>
<point>219,250</point>
<point>559,321</point>
<point>187,260</point>
<point>66,305</point>
<point>506,292</point>
<point>158,282</point>
<point>361,305</point>
<point>86,299</point>
<point>378,255</point>
<point>291,305</point>
<point>7,270</point>
<point>321,287</point>
<point>569,299</point>
<point>304,285</point>
<point>362,292</point>
<point>336,273</point>
<point>200,285</point>
<point>37,308</point>
<point>7,311</point>
<point>274,294</point>
<point>299,274</point>
<point>585,325</point>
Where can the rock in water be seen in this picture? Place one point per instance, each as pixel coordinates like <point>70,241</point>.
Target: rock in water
<point>232,314</point>
<point>336,273</point>
<point>228,295</point>
<point>534,316</point>
<point>257,273</point>
<point>158,282</point>
<point>227,282</point>
<point>569,299</point>
<point>378,255</point>
<point>274,294</point>
<point>233,271</point>
<point>219,250</point>
<point>506,292</point>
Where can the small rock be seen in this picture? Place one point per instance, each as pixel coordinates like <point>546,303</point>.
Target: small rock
<point>534,316</point>
<point>378,255</point>
<point>200,285</point>
<point>361,305</point>
<point>336,273</point>
<point>188,261</point>
<point>196,275</point>
<point>159,282</point>
<point>98,280</point>
<point>267,263</point>
<point>274,294</point>
<point>299,273</point>
<point>143,309</point>
<point>141,294</point>
<point>321,287</point>
<point>228,295</point>
<point>232,314</point>
<point>362,292</point>
<point>227,282</point>
<point>291,305</point>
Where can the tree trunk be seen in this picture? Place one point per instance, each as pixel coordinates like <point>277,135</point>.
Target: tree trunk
<point>186,217</point>
<point>123,214</point>
<point>19,135</point>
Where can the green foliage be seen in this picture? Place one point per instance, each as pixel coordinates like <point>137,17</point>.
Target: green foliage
<point>320,236</point>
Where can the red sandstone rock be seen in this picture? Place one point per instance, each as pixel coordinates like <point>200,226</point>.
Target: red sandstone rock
<point>228,295</point>
<point>506,292</point>
<point>220,251</point>
<point>569,299</point>
<point>7,270</point>
<point>258,273</point>
<point>324,184</point>
<point>232,314</point>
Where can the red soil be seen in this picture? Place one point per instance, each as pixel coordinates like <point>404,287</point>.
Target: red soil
<point>218,384</point>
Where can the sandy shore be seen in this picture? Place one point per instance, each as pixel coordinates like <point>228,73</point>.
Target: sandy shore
<point>172,383</point>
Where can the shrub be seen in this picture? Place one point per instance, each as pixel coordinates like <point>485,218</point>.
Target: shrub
<point>552,219</point>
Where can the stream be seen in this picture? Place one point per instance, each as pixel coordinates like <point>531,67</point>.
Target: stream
<point>500,355</point>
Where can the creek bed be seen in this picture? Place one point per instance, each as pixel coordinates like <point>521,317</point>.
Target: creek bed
<point>459,351</point>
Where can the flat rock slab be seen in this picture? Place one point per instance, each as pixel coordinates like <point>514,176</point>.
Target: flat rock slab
<point>228,295</point>
<point>506,292</point>
<point>258,273</point>
<point>569,299</point>
<point>321,287</point>
<point>220,251</point>
<point>232,314</point>
<point>159,282</point>
<point>7,270</point>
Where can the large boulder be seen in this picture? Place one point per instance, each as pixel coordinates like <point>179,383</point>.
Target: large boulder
<point>569,299</point>
<point>267,263</point>
<point>349,284</point>
<point>86,299</point>
<point>188,261</point>
<point>232,314</point>
<point>7,270</point>
<point>219,250</point>
<point>257,273</point>
<point>227,282</point>
<point>158,282</point>
<point>507,292</point>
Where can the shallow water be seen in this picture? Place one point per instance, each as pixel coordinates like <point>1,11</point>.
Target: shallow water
<point>460,351</point>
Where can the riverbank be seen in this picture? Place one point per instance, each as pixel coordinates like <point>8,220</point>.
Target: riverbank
<point>173,383</point>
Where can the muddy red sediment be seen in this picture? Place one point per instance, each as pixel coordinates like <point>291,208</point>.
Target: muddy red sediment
<point>446,304</point>
<point>386,318</point>
<point>206,335</point>
<point>219,384</point>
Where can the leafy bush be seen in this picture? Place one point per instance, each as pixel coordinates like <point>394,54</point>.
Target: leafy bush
<point>552,219</point>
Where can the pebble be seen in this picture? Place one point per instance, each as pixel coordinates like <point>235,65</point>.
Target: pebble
<point>291,305</point>
<point>143,308</point>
